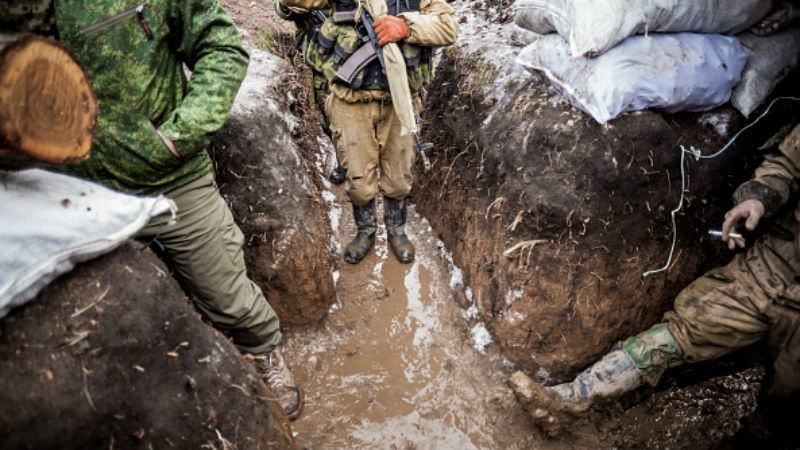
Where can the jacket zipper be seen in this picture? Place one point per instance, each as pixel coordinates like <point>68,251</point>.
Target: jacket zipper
<point>105,24</point>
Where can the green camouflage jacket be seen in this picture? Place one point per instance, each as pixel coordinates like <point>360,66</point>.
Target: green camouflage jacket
<point>134,52</point>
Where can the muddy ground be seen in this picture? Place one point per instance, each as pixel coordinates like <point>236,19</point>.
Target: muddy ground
<point>114,356</point>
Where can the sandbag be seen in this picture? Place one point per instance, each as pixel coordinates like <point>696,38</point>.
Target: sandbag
<point>770,59</point>
<point>50,222</point>
<point>592,27</point>
<point>671,72</point>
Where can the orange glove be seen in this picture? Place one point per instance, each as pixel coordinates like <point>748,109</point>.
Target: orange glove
<point>390,29</point>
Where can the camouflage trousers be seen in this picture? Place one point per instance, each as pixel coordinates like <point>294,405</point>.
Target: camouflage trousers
<point>755,297</point>
<point>321,92</point>
<point>367,136</point>
<point>204,248</point>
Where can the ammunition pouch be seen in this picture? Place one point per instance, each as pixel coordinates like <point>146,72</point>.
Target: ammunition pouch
<point>341,50</point>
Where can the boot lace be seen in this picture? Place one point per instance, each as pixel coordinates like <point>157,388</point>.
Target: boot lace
<point>274,373</point>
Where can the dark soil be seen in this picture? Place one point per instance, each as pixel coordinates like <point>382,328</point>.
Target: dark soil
<point>273,190</point>
<point>515,163</point>
<point>113,356</point>
<point>695,406</point>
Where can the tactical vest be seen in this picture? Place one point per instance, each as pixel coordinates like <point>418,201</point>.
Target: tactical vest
<point>28,16</point>
<point>333,43</point>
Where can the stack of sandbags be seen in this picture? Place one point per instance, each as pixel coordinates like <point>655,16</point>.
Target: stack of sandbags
<point>671,72</point>
<point>603,67</point>
<point>593,27</point>
<point>771,58</point>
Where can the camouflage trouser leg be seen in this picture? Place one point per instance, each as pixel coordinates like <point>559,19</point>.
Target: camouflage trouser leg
<point>204,247</point>
<point>321,92</point>
<point>755,296</point>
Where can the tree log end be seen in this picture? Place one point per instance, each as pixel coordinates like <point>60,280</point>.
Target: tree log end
<point>48,110</point>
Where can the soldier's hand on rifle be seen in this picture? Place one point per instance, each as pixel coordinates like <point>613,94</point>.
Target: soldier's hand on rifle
<point>390,29</point>
<point>749,210</point>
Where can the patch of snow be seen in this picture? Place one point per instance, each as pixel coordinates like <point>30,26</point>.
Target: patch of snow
<point>514,295</point>
<point>426,317</point>
<point>471,313</point>
<point>382,253</point>
<point>515,317</point>
<point>456,277</point>
<point>543,375</point>
<point>334,217</point>
<point>336,306</point>
<point>468,294</point>
<point>719,121</point>
<point>328,196</point>
<point>480,337</point>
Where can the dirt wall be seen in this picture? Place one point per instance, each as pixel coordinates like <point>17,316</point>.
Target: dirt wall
<point>272,189</point>
<point>554,218</point>
<point>114,356</point>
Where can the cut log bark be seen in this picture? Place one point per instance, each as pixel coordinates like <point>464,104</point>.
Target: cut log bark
<point>48,109</point>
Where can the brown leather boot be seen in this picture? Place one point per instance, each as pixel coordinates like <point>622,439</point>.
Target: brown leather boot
<point>358,248</point>
<point>394,217</point>
<point>278,376</point>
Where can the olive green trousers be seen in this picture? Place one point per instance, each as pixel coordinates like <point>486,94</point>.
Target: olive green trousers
<point>204,248</point>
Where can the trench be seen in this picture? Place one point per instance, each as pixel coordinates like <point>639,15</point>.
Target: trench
<point>397,363</point>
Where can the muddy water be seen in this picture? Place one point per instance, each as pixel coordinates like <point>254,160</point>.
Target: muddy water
<point>396,366</point>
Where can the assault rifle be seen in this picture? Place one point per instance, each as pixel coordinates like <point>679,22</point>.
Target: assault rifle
<point>362,57</point>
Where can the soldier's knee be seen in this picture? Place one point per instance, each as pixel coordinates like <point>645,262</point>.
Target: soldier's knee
<point>360,192</point>
<point>397,192</point>
<point>654,351</point>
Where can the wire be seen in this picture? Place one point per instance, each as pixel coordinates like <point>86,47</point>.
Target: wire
<point>698,156</point>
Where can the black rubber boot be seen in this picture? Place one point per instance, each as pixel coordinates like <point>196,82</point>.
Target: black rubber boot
<point>394,217</point>
<point>358,248</point>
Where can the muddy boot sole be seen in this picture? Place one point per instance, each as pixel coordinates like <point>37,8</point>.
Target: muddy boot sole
<point>296,414</point>
<point>551,415</point>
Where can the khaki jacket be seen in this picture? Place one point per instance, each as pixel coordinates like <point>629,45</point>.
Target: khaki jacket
<point>776,179</point>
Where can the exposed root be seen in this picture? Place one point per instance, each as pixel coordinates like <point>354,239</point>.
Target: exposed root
<point>226,444</point>
<point>524,247</point>
<point>98,300</point>
<point>86,393</point>
<point>517,221</point>
<point>498,202</point>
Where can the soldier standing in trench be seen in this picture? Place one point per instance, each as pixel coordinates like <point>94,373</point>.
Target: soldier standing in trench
<point>365,129</point>
<point>755,297</point>
<point>152,134</point>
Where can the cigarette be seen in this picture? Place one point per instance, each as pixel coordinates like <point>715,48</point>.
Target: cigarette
<point>718,233</point>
